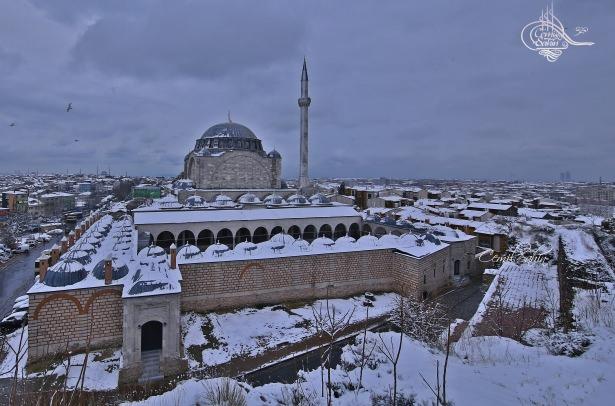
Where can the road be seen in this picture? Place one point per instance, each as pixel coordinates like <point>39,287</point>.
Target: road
<point>17,275</point>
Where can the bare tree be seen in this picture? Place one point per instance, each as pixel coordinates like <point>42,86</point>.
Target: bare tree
<point>440,391</point>
<point>330,324</point>
<point>392,351</point>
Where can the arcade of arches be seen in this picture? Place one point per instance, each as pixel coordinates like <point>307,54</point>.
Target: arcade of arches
<point>207,237</point>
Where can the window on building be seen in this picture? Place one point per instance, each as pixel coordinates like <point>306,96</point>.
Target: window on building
<point>457,264</point>
<point>424,279</point>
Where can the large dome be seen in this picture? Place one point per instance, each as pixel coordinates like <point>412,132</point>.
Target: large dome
<point>228,136</point>
<point>230,129</point>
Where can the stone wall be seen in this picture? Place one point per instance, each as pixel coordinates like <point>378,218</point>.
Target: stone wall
<point>234,169</point>
<point>207,286</point>
<point>63,320</point>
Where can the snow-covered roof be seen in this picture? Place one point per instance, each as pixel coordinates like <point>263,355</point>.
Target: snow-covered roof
<point>199,216</point>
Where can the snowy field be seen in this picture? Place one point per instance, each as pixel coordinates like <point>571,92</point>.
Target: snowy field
<point>221,337</point>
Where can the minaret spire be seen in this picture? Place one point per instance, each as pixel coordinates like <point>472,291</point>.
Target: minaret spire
<point>304,103</point>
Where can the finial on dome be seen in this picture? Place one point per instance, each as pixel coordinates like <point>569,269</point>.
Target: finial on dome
<point>229,117</point>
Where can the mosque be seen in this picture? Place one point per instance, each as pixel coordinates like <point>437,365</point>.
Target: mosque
<point>237,239</point>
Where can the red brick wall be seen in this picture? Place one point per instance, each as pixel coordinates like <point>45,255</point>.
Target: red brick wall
<point>207,286</point>
<point>64,319</point>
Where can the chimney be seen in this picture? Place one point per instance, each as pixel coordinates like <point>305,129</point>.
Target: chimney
<point>43,264</point>
<point>82,228</point>
<point>71,239</point>
<point>77,233</point>
<point>64,245</point>
<point>87,223</point>
<point>55,254</point>
<point>108,270</point>
<point>173,250</point>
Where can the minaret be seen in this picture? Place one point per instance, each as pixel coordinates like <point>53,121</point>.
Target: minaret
<point>304,103</point>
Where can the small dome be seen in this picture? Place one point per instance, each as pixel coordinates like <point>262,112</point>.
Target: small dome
<point>274,200</point>
<point>152,251</point>
<point>297,200</point>
<point>119,269</point>
<point>168,202</point>
<point>319,199</point>
<point>389,239</point>
<point>410,239</point>
<point>249,198</point>
<point>215,250</point>
<point>245,247</point>
<point>367,241</point>
<point>300,244</point>
<point>345,241</point>
<point>196,201</point>
<point>322,242</point>
<point>188,251</point>
<point>77,255</point>
<point>64,273</point>
<point>223,201</point>
<point>282,238</point>
<point>274,154</point>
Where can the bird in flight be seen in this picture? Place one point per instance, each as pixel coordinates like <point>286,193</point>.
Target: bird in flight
<point>69,107</point>
<point>76,140</point>
<point>12,125</point>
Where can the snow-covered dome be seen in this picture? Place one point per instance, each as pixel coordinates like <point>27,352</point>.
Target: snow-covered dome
<point>216,249</point>
<point>119,269</point>
<point>77,255</point>
<point>223,201</point>
<point>85,246</point>
<point>297,200</point>
<point>410,239</point>
<point>322,242</point>
<point>245,247</point>
<point>195,201</point>
<point>389,239</point>
<point>168,202</point>
<point>367,241</point>
<point>152,252</point>
<point>249,198</point>
<point>274,154</point>
<point>345,240</point>
<point>188,251</point>
<point>64,273</point>
<point>319,199</point>
<point>274,200</point>
<point>282,238</point>
<point>300,244</point>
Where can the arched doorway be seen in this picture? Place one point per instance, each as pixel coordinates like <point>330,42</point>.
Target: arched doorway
<point>243,234</point>
<point>205,239</point>
<point>151,336</point>
<point>309,234</point>
<point>165,239</point>
<point>295,232</point>
<point>340,231</point>
<point>366,229</point>
<point>325,231</point>
<point>380,231</point>
<point>276,230</point>
<point>457,265</point>
<point>354,231</point>
<point>260,235</point>
<point>185,237</point>
<point>225,237</point>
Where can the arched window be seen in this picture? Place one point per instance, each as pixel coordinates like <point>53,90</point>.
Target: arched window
<point>225,237</point>
<point>185,237</point>
<point>165,239</point>
<point>205,239</point>
<point>243,234</point>
<point>294,231</point>
<point>325,231</point>
<point>340,231</point>
<point>309,233</point>
<point>354,231</point>
<point>260,235</point>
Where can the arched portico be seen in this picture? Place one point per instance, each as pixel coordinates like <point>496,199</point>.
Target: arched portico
<point>165,239</point>
<point>185,237</point>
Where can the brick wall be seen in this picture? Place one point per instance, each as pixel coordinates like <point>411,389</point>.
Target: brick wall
<point>207,286</point>
<point>63,320</point>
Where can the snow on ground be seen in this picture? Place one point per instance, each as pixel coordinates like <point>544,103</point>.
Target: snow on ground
<point>102,370</point>
<point>15,348</point>
<point>223,336</point>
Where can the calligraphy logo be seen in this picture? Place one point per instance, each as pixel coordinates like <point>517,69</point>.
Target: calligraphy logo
<point>548,37</point>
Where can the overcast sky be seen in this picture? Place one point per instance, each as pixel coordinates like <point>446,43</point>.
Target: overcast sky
<point>416,89</point>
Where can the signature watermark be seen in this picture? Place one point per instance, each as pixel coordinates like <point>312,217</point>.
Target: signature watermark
<point>518,255</point>
<point>548,36</point>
